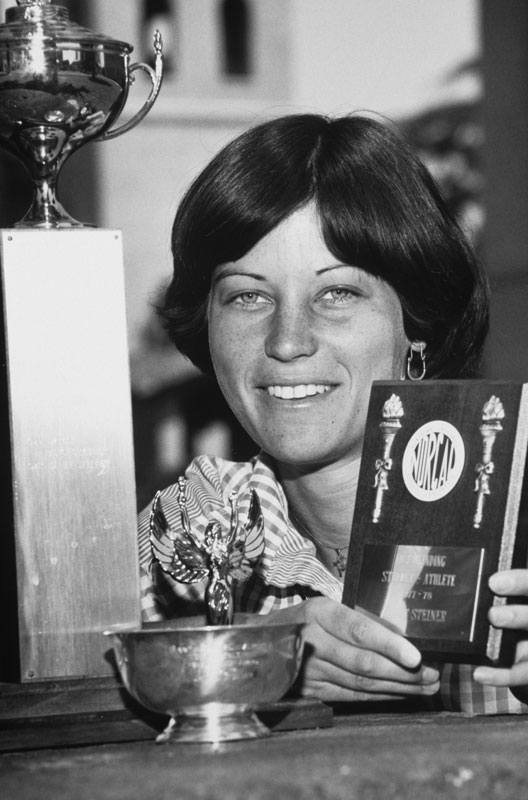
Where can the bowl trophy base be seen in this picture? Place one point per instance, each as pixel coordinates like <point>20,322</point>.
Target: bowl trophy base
<point>215,722</point>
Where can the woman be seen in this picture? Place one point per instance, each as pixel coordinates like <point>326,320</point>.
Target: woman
<point>311,257</point>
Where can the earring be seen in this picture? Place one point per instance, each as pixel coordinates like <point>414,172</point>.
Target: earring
<point>416,372</point>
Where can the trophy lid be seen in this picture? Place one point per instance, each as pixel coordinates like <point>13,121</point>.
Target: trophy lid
<point>53,25</point>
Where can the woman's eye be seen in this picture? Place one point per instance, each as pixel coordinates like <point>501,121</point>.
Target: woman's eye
<point>249,299</point>
<point>339,295</point>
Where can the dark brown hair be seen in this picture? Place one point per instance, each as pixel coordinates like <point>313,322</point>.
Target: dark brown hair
<point>379,210</point>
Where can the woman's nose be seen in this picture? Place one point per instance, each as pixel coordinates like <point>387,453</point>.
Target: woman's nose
<point>290,335</point>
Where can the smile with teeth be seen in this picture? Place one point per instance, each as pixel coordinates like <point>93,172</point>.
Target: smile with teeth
<point>299,391</point>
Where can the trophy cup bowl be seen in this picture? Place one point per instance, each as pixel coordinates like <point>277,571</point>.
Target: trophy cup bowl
<point>61,86</point>
<point>210,680</point>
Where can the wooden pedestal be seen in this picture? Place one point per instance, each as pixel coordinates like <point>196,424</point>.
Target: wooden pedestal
<point>68,563</point>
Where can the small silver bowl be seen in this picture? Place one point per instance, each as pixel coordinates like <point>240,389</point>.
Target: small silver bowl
<point>209,679</point>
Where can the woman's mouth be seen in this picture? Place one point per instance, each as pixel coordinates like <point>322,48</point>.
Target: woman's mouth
<point>298,391</point>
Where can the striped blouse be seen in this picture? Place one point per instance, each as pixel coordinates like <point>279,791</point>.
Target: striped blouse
<point>287,573</point>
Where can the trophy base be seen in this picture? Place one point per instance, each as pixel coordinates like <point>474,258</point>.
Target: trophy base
<point>216,722</point>
<point>53,225</point>
<point>50,219</point>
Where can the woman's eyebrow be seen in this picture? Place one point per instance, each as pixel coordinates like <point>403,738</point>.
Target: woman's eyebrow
<point>334,266</point>
<point>229,273</point>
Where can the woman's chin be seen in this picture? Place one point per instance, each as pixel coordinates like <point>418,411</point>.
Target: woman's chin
<point>309,458</point>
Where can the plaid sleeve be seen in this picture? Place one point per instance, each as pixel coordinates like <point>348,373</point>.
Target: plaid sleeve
<point>459,692</point>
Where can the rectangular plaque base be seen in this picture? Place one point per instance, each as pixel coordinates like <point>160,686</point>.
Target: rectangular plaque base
<point>68,565</point>
<point>441,505</point>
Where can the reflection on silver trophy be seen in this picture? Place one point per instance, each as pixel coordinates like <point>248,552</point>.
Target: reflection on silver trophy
<point>61,86</point>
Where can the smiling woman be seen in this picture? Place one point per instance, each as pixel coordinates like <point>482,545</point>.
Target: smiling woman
<point>288,316</point>
<point>313,256</point>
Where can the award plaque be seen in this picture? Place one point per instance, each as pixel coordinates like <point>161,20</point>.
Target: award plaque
<point>440,507</point>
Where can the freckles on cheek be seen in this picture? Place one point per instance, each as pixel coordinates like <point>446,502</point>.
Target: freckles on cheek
<point>227,342</point>
<point>222,345</point>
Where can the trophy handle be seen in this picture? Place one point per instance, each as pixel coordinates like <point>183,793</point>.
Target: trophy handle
<point>155,76</point>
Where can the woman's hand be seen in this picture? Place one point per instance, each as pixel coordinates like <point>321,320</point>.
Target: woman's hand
<point>350,657</point>
<point>510,583</point>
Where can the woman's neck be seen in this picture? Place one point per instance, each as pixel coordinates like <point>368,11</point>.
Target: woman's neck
<point>321,501</point>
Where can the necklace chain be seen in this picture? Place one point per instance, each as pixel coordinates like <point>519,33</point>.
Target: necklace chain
<point>340,562</point>
<point>340,552</point>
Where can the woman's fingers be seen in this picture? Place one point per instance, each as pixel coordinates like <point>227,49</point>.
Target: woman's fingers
<point>510,582</point>
<point>510,616</point>
<point>515,676</point>
<point>356,629</point>
<point>346,672</point>
<point>351,657</point>
<point>354,666</point>
<point>331,691</point>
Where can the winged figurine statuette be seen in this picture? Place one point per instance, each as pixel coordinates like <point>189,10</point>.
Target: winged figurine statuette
<point>219,553</point>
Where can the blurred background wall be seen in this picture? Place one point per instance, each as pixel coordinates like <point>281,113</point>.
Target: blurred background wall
<point>452,73</point>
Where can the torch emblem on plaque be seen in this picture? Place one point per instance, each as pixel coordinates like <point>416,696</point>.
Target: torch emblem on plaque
<point>390,425</point>
<point>492,414</point>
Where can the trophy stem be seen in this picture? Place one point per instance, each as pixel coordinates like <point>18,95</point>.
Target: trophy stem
<point>46,211</point>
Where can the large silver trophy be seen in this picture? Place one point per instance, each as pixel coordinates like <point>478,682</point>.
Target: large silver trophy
<point>210,680</point>
<point>61,86</point>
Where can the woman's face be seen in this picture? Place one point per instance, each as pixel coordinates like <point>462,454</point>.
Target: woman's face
<point>296,340</point>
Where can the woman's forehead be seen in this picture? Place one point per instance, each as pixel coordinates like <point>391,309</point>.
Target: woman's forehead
<point>299,235</point>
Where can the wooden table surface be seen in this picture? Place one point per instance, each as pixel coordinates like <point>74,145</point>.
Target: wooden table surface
<point>362,755</point>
